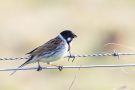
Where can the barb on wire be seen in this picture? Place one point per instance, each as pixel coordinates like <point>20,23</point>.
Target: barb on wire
<point>69,67</point>
<point>79,56</point>
<point>102,54</point>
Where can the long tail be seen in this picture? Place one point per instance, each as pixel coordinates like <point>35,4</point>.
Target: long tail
<point>25,63</point>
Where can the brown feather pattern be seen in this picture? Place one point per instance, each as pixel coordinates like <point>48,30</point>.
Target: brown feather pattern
<point>50,45</point>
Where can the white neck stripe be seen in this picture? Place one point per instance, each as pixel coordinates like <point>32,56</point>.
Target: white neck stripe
<point>62,38</point>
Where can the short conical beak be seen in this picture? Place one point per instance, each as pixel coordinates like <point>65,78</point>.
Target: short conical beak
<point>74,35</point>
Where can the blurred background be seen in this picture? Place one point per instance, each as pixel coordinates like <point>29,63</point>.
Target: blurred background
<point>26,24</point>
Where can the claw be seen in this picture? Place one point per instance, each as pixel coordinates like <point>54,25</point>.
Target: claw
<point>73,58</point>
<point>60,68</point>
<point>39,68</point>
<point>69,57</point>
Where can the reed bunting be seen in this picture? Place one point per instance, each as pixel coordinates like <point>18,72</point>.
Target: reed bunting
<point>52,50</point>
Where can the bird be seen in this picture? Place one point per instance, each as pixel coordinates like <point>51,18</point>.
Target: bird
<point>50,51</point>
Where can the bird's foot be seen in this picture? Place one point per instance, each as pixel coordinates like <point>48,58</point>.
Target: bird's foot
<point>60,68</point>
<point>39,68</point>
<point>73,57</point>
<point>70,56</point>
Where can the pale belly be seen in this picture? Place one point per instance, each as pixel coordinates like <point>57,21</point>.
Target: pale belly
<point>54,57</point>
<point>60,52</point>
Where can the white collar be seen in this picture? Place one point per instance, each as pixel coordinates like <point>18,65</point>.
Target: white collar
<point>62,37</point>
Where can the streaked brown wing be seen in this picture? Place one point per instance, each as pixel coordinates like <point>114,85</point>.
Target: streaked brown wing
<point>50,45</point>
<point>32,51</point>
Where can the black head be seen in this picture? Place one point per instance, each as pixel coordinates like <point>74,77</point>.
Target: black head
<point>68,35</point>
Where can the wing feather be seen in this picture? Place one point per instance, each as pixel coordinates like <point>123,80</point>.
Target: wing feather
<point>50,45</point>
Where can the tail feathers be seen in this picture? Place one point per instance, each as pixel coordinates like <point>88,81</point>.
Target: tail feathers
<point>27,62</point>
<point>18,68</point>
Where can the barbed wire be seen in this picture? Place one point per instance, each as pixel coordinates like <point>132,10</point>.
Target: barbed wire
<point>75,67</point>
<point>79,55</point>
<point>74,56</point>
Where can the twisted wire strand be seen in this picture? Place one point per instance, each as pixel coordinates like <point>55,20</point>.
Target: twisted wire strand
<point>100,54</point>
<point>74,56</point>
<point>78,56</point>
<point>19,58</point>
<point>75,67</point>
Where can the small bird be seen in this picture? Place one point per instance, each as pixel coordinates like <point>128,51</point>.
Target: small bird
<point>52,50</point>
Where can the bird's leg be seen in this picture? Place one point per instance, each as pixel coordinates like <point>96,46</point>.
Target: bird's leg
<point>59,67</point>
<point>70,56</point>
<point>73,58</point>
<point>69,51</point>
<point>39,67</point>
